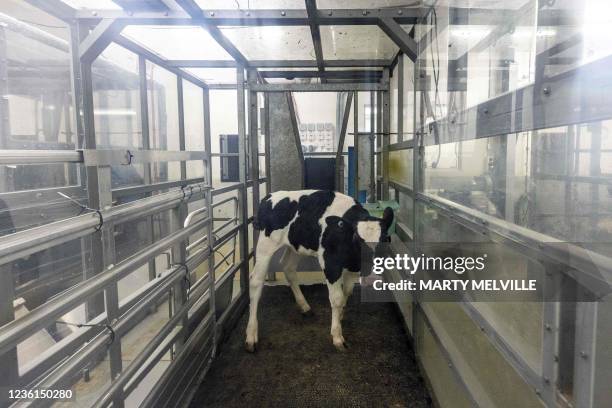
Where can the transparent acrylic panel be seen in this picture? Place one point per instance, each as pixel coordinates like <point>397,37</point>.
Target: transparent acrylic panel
<point>250,4</point>
<point>400,166</point>
<point>553,181</point>
<point>116,95</point>
<point>193,109</point>
<point>38,89</point>
<point>177,42</point>
<point>356,42</point>
<point>162,93</point>
<point>272,42</point>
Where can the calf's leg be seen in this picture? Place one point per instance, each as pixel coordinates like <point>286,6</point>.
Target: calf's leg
<point>289,263</point>
<point>337,301</point>
<point>265,249</point>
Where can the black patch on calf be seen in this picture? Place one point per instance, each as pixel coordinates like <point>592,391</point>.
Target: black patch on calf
<point>274,218</point>
<point>340,251</point>
<point>305,230</point>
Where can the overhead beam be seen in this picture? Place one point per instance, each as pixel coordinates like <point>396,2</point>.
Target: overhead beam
<point>315,33</point>
<point>349,74</point>
<point>101,36</point>
<point>399,36</point>
<point>329,87</point>
<point>403,15</point>
<point>356,63</point>
<point>195,12</point>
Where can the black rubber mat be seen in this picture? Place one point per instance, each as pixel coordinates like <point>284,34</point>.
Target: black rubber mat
<point>296,364</point>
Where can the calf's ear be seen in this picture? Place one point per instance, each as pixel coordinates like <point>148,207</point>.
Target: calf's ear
<point>387,218</point>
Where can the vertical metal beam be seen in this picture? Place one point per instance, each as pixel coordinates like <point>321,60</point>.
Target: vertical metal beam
<point>373,124</point>
<point>179,251</point>
<point>144,118</point>
<point>315,32</point>
<point>339,157</point>
<point>400,98</point>
<point>267,141</point>
<point>254,145</point>
<point>243,234</point>
<point>356,145</point>
<point>208,177</point>
<point>103,254</point>
<point>386,129</point>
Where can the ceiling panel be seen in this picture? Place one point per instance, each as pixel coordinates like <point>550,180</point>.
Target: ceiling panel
<point>356,42</point>
<point>174,42</point>
<point>272,42</point>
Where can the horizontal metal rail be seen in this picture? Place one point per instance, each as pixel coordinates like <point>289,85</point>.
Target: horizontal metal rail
<point>148,188</point>
<point>406,144</point>
<point>40,156</point>
<point>39,318</point>
<point>27,242</point>
<point>586,267</point>
<point>100,157</point>
<point>327,87</point>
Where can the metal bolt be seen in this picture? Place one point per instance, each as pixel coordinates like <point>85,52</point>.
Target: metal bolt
<point>330,13</point>
<point>130,13</point>
<point>547,380</point>
<point>364,12</point>
<point>94,13</point>
<point>584,355</point>
<point>212,13</point>
<point>283,13</point>
<point>548,327</point>
<point>546,90</point>
<point>537,391</point>
<point>400,12</point>
<point>485,111</point>
<point>248,13</point>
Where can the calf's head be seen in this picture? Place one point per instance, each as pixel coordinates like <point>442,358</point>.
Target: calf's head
<point>374,229</point>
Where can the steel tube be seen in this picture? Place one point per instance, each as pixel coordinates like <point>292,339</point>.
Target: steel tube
<point>40,156</point>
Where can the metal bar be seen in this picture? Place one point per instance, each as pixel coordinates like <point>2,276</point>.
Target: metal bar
<point>315,33</point>
<point>100,157</point>
<point>296,134</point>
<point>148,188</point>
<point>40,317</point>
<point>356,145</point>
<point>27,242</point>
<point>267,141</point>
<point>404,145</point>
<point>345,74</point>
<point>386,128</point>
<point>39,156</point>
<point>586,267</point>
<point>242,173</point>
<point>372,137</point>
<point>585,353</point>
<point>341,63</point>
<point>329,87</point>
<point>339,159</point>
<point>400,98</point>
<point>56,8</point>
<point>399,36</point>
<point>101,36</point>
<point>254,144</point>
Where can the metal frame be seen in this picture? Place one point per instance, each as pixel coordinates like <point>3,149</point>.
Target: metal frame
<point>553,98</point>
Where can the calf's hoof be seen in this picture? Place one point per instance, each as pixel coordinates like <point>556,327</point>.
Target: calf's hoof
<point>250,347</point>
<point>341,346</point>
<point>308,313</point>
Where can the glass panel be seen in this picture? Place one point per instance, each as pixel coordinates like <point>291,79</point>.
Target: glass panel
<point>214,75</point>
<point>182,42</point>
<point>272,42</point>
<point>356,42</point>
<point>193,108</point>
<point>400,166</point>
<point>250,4</point>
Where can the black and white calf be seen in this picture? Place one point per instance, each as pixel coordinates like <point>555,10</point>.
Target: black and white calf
<point>325,224</point>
